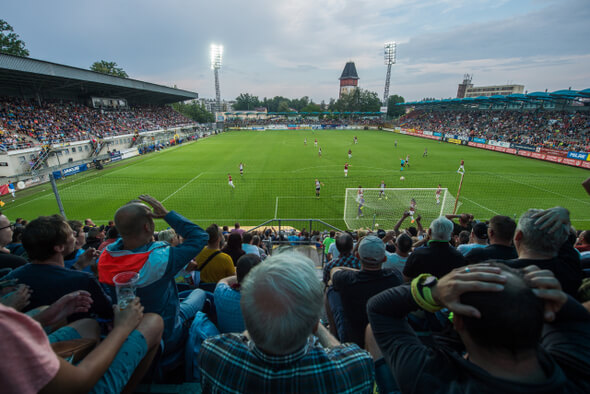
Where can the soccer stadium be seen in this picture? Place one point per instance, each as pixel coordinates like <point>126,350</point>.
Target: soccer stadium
<point>387,246</point>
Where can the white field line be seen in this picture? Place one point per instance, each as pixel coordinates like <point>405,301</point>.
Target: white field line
<point>182,187</point>
<point>276,207</point>
<point>479,205</point>
<point>544,190</point>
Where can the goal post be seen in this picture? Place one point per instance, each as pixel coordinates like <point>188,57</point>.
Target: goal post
<point>384,207</point>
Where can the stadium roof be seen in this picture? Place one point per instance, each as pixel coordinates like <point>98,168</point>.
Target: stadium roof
<point>25,76</point>
<point>557,97</point>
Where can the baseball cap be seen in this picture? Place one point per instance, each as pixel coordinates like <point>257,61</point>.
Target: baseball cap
<point>480,230</point>
<point>371,249</point>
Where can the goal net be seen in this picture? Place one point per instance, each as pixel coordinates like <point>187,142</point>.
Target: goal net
<point>384,209</point>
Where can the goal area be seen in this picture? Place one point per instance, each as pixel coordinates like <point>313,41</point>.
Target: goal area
<point>383,208</point>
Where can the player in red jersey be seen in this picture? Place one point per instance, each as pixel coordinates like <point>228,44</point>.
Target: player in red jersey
<point>315,143</point>
<point>438,193</point>
<point>346,169</point>
<point>412,209</point>
<point>229,181</point>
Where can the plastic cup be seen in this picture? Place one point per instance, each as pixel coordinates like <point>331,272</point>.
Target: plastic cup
<point>125,285</point>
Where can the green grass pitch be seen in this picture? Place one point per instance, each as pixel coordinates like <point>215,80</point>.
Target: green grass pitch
<point>279,179</point>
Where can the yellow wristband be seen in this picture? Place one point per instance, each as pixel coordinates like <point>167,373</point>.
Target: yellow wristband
<point>426,302</point>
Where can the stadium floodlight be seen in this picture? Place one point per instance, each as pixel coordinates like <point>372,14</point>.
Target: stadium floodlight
<point>390,57</point>
<point>216,56</point>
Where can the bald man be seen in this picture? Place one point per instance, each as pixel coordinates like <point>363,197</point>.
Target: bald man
<point>156,262</point>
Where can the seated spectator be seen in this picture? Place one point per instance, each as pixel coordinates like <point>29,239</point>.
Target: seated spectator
<point>541,240</point>
<point>8,260</point>
<point>95,238</point>
<point>478,238</point>
<point>169,236</point>
<point>439,257</point>
<point>256,241</point>
<point>234,247</point>
<point>111,236</point>
<point>356,287</point>
<point>212,263</point>
<point>227,296</point>
<point>281,305</point>
<point>344,243</point>
<point>47,240</point>
<point>157,264</point>
<point>583,242</point>
<point>500,233</point>
<point>117,364</point>
<point>403,248</point>
<point>16,245</point>
<point>509,349</point>
<point>247,246</point>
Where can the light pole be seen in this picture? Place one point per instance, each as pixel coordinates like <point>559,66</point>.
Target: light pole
<point>216,55</point>
<point>389,55</point>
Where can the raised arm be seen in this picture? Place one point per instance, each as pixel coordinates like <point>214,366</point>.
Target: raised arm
<point>400,221</point>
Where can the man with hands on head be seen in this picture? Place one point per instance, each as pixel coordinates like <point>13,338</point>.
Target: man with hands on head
<point>522,333</point>
<point>116,365</point>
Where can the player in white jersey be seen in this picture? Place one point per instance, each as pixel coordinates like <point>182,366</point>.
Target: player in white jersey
<point>241,168</point>
<point>305,141</point>
<point>461,169</point>
<point>361,201</point>
<point>318,186</point>
<point>229,181</point>
<point>438,193</point>
<point>412,209</point>
<point>356,140</point>
<point>320,152</point>
<point>382,190</point>
<point>407,160</point>
<point>360,193</point>
<point>425,154</point>
<point>315,143</point>
<point>346,169</point>
<point>350,153</point>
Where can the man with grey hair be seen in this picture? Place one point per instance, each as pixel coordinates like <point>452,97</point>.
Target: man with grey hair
<point>439,257</point>
<point>284,348</point>
<point>541,239</point>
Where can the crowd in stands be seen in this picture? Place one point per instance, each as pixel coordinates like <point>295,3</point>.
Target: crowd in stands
<point>552,129</point>
<point>465,305</point>
<point>25,122</point>
<point>303,120</point>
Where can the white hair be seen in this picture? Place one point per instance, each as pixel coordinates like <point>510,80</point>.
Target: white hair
<point>441,229</point>
<point>281,302</point>
<point>538,240</point>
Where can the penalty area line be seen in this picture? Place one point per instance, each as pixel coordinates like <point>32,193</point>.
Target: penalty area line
<point>182,187</point>
<point>479,205</point>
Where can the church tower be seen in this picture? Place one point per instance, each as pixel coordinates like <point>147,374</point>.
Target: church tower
<point>349,79</point>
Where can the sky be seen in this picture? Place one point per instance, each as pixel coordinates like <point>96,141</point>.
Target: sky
<point>299,48</point>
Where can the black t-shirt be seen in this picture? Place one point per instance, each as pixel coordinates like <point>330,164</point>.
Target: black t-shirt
<point>49,283</point>
<point>11,261</point>
<point>491,252</point>
<point>438,259</point>
<point>457,228</point>
<point>355,289</point>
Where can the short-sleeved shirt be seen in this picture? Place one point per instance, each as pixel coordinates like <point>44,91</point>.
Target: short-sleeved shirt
<point>227,307</point>
<point>220,266</point>
<point>496,252</point>
<point>438,259</point>
<point>232,363</point>
<point>466,248</point>
<point>28,363</point>
<point>396,261</point>
<point>327,242</point>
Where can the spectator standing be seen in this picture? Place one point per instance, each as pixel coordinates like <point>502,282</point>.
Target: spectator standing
<point>212,263</point>
<point>500,233</point>
<point>234,247</point>
<point>477,239</point>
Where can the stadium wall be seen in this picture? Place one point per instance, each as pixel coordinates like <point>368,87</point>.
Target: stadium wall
<point>574,159</point>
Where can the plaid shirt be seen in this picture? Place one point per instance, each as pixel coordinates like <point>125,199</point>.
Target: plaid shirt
<point>343,261</point>
<point>231,363</point>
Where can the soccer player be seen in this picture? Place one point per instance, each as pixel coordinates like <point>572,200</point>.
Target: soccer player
<point>305,141</point>
<point>315,143</point>
<point>382,190</point>
<point>360,193</point>
<point>407,160</point>
<point>318,185</point>
<point>350,153</point>
<point>241,169</point>
<point>320,152</point>
<point>461,169</point>
<point>361,201</point>
<point>395,143</point>
<point>438,192</point>
<point>12,190</point>
<point>229,181</point>
<point>402,162</point>
<point>425,154</point>
<point>356,140</point>
<point>345,169</point>
<point>412,209</point>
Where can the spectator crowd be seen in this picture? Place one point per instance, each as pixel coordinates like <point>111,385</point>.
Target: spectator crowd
<point>464,305</point>
<point>551,129</point>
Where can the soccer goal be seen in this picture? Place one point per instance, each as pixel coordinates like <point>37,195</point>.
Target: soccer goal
<point>384,209</point>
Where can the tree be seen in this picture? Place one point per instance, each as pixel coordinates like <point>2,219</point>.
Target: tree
<point>109,68</point>
<point>246,102</point>
<point>311,107</point>
<point>10,43</point>
<point>194,111</point>
<point>393,110</point>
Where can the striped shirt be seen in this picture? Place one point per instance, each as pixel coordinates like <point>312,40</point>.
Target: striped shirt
<point>231,363</point>
<point>344,261</point>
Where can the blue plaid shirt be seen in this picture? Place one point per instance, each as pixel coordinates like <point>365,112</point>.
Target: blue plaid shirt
<point>231,363</point>
<point>344,261</point>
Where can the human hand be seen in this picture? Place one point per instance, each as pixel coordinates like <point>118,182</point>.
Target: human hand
<point>130,317</point>
<point>553,218</point>
<point>191,266</point>
<point>418,218</point>
<point>19,298</point>
<point>389,236</point>
<point>406,214</point>
<point>546,287</point>
<point>476,277</point>
<point>8,286</point>
<point>158,209</point>
<point>78,301</point>
<point>87,258</point>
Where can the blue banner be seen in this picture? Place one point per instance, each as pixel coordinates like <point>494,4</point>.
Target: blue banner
<point>530,148</point>
<point>479,140</point>
<point>577,155</point>
<point>70,171</point>
<point>437,134</point>
<point>116,156</point>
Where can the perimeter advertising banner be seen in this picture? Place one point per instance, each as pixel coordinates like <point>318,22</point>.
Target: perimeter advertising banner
<point>70,171</point>
<point>577,155</point>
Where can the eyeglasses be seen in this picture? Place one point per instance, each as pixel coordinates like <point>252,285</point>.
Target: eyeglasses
<point>11,226</point>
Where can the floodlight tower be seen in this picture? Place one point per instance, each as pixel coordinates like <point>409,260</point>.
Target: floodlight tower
<point>216,54</point>
<point>389,52</point>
